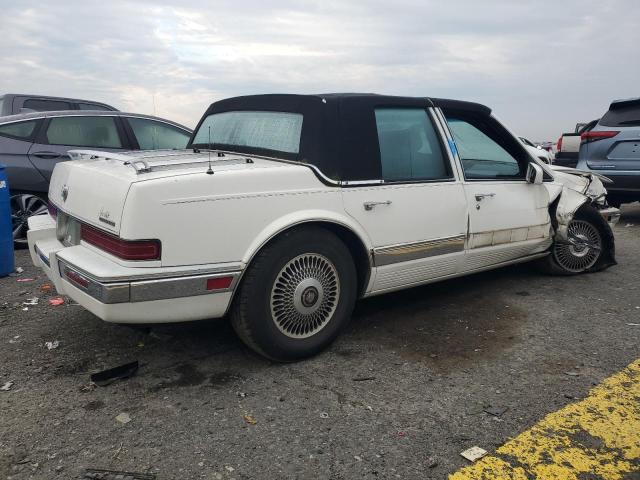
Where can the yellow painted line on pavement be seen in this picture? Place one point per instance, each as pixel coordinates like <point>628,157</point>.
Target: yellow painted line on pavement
<point>595,438</point>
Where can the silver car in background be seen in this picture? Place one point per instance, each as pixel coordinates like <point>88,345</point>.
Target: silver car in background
<point>31,144</point>
<point>612,148</point>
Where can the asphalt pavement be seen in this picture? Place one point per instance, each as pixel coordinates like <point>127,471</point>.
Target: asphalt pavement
<point>418,377</point>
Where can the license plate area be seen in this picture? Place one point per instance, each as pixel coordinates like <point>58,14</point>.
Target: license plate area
<point>67,229</point>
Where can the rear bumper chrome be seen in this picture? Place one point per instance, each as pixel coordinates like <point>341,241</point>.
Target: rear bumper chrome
<point>109,292</point>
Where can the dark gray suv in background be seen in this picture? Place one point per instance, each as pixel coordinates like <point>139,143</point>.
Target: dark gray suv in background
<point>32,143</point>
<point>612,148</point>
<point>14,103</point>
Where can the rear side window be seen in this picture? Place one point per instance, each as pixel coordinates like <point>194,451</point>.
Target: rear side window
<point>481,155</point>
<point>40,105</point>
<point>84,132</point>
<point>628,116</point>
<point>152,135</point>
<point>276,131</point>
<point>409,146</point>
<point>93,106</point>
<point>20,130</point>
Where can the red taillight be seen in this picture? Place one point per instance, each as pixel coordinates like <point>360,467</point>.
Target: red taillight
<point>53,211</point>
<point>124,249</point>
<point>592,136</point>
<point>559,146</point>
<point>76,278</point>
<point>220,283</point>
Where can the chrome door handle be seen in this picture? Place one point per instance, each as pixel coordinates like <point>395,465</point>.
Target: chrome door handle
<point>480,196</point>
<point>368,206</point>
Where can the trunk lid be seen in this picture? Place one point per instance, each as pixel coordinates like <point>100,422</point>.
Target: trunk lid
<point>94,186</point>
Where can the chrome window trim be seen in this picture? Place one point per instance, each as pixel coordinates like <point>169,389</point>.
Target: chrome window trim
<point>405,252</point>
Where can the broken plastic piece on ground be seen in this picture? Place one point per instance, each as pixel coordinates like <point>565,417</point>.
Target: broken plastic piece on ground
<point>19,270</point>
<point>250,420</point>
<point>105,377</point>
<point>123,418</point>
<point>6,387</point>
<point>31,301</point>
<point>572,374</point>
<point>99,474</point>
<point>474,453</point>
<point>634,324</point>
<point>46,287</point>
<point>56,301</point>
<point>21,280</point>
<point>495,411</point>
<point>324,415</point>
<point>52,345</point>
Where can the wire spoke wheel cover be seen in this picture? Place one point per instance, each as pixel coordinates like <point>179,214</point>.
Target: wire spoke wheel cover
<point>583,249</point>
<point>305,295</point>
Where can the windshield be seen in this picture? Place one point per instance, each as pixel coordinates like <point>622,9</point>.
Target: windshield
<point>275,131</point>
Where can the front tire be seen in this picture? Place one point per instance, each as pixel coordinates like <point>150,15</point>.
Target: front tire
<point>584,252</point>
<point>296,296</point>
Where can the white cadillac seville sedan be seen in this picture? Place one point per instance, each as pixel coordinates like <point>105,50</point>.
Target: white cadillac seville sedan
<point>285,209</point>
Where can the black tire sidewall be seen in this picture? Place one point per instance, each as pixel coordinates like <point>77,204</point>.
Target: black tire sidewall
<point>265,333</point>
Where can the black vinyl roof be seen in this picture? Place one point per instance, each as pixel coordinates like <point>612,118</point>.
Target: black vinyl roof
<point>339,134</point>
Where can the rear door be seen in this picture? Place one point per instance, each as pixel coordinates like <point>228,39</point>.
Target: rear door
<point>416,215</point>
<point>64,133</point>
<point>508,217</point>
<point>15,141</point>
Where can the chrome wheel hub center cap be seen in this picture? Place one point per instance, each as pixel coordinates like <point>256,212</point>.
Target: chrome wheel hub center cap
<point>307,296</point>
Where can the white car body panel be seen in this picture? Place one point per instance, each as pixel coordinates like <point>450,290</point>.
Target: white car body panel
<point>212,225</point>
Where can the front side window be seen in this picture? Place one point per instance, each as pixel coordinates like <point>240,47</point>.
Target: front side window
<point>277,131</point>
<point>409,146</point>
<point>20,130</point>
<point>152,135</point>
<point>40,105</point>
<point>84,132</point>
<point>481,155</point>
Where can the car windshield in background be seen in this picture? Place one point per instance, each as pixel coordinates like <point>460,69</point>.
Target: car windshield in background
<point>276,131</point>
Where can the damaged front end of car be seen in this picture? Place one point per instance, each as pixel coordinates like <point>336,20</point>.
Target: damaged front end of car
<point>583,190</point>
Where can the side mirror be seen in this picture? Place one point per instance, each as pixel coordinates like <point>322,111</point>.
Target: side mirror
<point>535,174</point>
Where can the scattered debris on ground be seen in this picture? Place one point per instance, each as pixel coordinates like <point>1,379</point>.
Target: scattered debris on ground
<point>31,301</point>
<point>110,375</point>
<point>363,379</point>
<point>474,453</point>
<point>495,411</point>
<point>98,474</point>
<point>123,418</point>
<point>6,387</point>
<point>56,301</point>
<point>22,280</point>
<point>250,420</point>
<point>52,345</point>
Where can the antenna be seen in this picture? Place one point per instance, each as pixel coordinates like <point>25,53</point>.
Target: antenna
<point>210,170</point>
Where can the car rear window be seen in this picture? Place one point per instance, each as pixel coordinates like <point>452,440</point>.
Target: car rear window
<point>93,106</point>
<point>20,130</point>
<point>276,131</point>
<point>40,105</point>
<point>623,116</point>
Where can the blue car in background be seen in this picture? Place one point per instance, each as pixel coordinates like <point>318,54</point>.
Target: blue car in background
<point>612,148</point>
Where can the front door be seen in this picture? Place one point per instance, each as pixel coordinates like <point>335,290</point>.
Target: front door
<point>416,215</point>
<point>508,217</point>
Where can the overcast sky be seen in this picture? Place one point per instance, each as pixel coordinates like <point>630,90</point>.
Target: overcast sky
<point>541,65</point>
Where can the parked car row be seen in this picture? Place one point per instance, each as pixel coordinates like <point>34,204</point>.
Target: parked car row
<point>609,146</point>
<point>283,210</point>
<point>32,144</point>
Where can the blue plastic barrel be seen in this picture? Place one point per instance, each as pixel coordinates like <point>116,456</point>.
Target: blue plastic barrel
<point>6,230</point>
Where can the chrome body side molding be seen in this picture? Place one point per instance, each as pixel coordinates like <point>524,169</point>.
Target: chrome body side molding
<point>417,250</point>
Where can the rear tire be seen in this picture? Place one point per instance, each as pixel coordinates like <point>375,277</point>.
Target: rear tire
<point>296,296</point>
<point>24,206</point>
<point>585,250</point>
